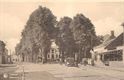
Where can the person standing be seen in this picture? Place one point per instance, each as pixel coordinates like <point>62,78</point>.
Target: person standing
<point>92,57</point>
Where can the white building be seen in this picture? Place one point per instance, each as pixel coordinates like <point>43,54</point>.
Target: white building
<point>53,55</point>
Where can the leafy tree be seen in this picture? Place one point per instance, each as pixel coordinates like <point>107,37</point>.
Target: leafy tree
<point>84,35</point>
<point>2,47</point>
<point>65,38</point>
<point>3,51</point>
<point>99,40</point>
<point>38,33</point>
<point>72,36</point>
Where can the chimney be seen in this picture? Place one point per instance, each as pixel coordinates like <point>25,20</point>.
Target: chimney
<point>112,34</point>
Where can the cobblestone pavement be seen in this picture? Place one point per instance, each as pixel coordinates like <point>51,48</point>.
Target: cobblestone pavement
<point>61,72</point>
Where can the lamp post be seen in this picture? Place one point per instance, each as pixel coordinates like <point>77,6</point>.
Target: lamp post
<point>123,32</point>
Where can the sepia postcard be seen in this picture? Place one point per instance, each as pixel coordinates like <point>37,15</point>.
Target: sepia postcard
<point>61,40</point>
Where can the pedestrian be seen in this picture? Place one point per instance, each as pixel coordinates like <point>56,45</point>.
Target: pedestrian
<point>92,62</point>
<point>85,61</point>
<point>92,57</point>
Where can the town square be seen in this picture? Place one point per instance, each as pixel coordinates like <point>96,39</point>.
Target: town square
<point>61,40</point>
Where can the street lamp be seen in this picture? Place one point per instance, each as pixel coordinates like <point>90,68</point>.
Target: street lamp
<point>123,32</point>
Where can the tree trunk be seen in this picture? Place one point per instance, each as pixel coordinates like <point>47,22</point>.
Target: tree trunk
<point>62,57</point>
<point>45,56</point>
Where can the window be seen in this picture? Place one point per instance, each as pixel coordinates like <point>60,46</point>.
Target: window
<point>116,55</point>
<point>52,50</point>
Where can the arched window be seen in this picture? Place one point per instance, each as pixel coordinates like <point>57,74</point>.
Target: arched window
<point>52,50</point>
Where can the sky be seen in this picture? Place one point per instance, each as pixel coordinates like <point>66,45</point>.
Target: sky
<point>105,16</point>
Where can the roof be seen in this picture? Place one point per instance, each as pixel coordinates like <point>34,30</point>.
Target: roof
<point>2,43</point>
<point>108,39</point>
<point>54,45</point>
<point>118,41</point>
<point>104,44</point>
<point>101,48</point>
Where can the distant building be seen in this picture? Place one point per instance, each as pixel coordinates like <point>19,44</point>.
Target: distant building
<point>3,53</point>
<point>53,55</point>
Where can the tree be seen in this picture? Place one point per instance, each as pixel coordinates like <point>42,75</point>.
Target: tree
<point>84,35</point>
<point>3,51</point>
<point>65,38</point>
<point>38,33</point>
<point>2,47</point>
<point>99,40</point>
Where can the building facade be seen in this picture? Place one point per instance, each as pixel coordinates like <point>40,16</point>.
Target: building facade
<point>53,55</point>
<point>113,51</point>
